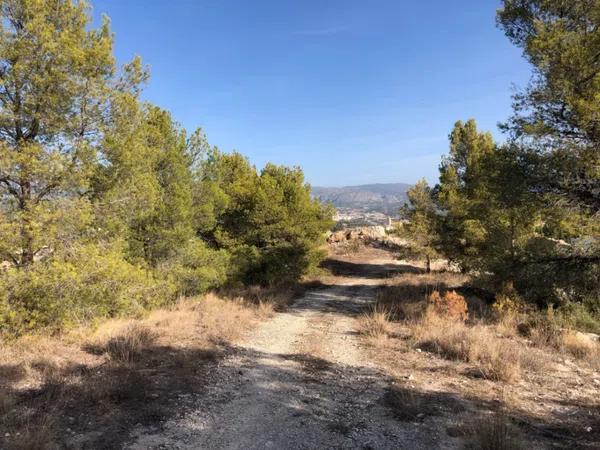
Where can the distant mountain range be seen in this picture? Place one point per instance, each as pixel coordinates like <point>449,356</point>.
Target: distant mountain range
<point>384,197</point>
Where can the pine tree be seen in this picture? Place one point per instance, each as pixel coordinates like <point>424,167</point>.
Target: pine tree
<point>422,226</point>
<point>55,74</point>
<point>557,117</point>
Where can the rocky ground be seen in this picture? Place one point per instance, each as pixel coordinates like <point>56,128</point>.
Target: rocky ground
<point>300,381</point>
<point>228,375</point>
<point>308,379</point>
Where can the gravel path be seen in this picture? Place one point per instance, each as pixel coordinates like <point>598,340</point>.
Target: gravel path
<point>299,381</point>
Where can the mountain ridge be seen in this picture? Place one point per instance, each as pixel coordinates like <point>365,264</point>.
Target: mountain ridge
<point>381,197</point>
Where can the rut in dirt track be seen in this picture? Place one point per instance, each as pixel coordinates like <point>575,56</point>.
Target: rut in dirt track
<point>299,381</point>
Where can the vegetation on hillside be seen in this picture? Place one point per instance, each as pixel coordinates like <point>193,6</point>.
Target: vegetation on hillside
<point>525,215</point>
<point>107,206</point>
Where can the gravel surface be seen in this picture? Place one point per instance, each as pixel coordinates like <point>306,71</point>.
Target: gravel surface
<point>298,381</point>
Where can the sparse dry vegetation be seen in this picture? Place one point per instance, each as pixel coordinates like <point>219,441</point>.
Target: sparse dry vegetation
<point>130,343</point>
<point>494,358</point>
<point>493,431</point>
<point>581,347</point>
<point>501,361</point>
<point>375,323</point>
<point>116,371</point>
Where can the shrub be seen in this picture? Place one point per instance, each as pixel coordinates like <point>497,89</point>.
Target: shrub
<point>450,304</point>
<point>508,305</point>
<point>584,317</point>
<point>68,289</point>
<point>196,268</point>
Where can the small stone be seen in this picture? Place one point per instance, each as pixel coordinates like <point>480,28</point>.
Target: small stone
<point>588,429</point>
<point>6,434</point>
<point>419,350</point>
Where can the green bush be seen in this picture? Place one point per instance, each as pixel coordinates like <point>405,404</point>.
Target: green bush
<point>583,317</point>
<point>77,287</point>
<point>196,268</point>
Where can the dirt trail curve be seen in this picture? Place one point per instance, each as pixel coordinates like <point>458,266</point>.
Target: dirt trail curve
<point>299,381</point>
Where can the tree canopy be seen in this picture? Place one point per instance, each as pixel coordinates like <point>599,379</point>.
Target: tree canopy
<point>107,205</point>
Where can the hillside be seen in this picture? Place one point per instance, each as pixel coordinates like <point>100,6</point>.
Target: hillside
<point>381,197</point>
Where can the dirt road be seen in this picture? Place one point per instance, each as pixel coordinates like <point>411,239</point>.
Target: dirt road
<point>300,381</point>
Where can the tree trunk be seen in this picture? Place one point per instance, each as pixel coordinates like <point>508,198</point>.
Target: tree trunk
<point>428,264</point>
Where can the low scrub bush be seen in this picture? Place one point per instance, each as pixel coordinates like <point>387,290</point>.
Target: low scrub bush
<point>449,304</point>
<point>196,268</point>
<point>65,290</point>
<point>579,316</point>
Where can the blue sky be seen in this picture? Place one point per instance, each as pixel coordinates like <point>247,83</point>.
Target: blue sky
<point>354,92</point>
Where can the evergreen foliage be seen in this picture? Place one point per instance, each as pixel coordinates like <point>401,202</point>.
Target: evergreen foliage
<point>422,223</point>
<point>107,206</point>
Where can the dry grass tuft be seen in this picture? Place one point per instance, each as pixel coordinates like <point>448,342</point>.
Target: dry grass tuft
<point>497,360</point>
<point>7,402</point>
<point>34,436</point>
<point>375,323</point>
<point>495,432</point>
<point>579,346</point>
<point>128,346</point>
<point>406,405</point>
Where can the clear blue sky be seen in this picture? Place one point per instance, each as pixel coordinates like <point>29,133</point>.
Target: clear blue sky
<point>353,91</point>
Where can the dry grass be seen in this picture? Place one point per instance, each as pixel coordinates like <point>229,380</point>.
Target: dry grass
<point>544,334</point>
<point>375,323</point>
<point>37,435</point>
<point>109,373</point>
<point>495,432</point>
<point>405,404</point>
<point>405,296</point>
<point>128,346</point>
<point>580,346</point>
<point>449,280</point>
<point>7,402</point>
<point>494,358</point>
<point>267,299</point>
